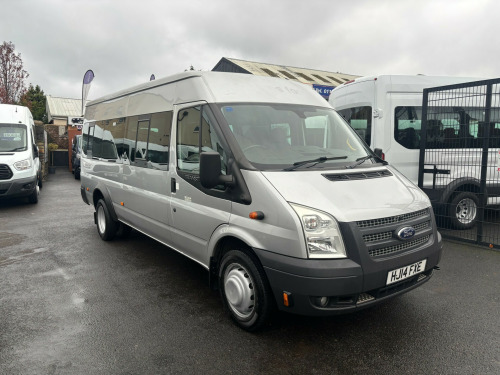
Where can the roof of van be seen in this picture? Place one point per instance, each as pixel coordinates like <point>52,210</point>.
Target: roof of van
<point>409,83</point>
<point>224,87</point>
<point>14,114</point>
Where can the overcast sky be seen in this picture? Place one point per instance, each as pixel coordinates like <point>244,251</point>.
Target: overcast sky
<point>125,41</point>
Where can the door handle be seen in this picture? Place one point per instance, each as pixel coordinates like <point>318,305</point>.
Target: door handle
<point>173,185</point>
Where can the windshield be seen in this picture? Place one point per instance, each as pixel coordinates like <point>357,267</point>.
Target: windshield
<point>13,138</point>
<point>277,136</point>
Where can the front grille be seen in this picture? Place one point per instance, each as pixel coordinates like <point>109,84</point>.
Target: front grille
<point>380,235</point>
<point>357,176</point>
<point>389,234</point>
<point>399,247</point>
<point>391,219</point>
<point>5,172</point>
<point>377,237</point>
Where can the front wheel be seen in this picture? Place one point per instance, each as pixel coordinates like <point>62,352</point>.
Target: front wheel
<point>463,210</point>
<point>244,290</point>
<point>33,198</point>
<point>106,226</point>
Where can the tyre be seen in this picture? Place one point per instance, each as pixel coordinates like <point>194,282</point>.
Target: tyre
<point>244,290</point>
<point>33,198</point>
<point>463,210</point>
<point>106,226</point>
<point>40,182</point>
<point>77,174</point>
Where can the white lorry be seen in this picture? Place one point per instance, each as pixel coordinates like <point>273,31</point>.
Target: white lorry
<point>386,111</point>
<point>20,173</point>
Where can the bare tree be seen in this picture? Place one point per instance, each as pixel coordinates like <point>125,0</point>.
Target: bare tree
<point>12,74</point>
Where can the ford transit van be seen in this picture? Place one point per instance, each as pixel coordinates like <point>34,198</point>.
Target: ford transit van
<point>261,182</point>
<point>20,173</point>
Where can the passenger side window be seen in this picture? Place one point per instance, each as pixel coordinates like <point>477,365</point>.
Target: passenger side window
<point>188,140</point>
<point>407,126</point>
<point>90,141</point>
<point>360,119</point>
<point>128,152</point>
<point>114,131</point>
<point>108,147</point>
<point>85,138</point>
<point>195,134</point>
<point>153,139</point>
<point>159,139</point>
<point>141,145</point>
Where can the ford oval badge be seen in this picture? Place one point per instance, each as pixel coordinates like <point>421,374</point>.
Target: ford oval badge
<point>406,233</point>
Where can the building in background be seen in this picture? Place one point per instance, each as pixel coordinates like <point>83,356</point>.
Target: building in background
<point>64,111</point>
<point>65,120</point>
<point>323,82</point>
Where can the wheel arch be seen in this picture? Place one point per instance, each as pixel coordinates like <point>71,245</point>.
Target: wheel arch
<point>100,193</point>
<point>224,242</point>
<point>465,184</point>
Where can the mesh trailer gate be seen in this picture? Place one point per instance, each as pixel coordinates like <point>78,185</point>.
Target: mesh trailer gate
<point>459,164</point>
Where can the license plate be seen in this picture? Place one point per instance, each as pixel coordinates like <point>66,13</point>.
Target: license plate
<point>405,272</point>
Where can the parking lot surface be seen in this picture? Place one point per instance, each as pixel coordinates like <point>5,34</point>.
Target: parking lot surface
<point>71,303</point>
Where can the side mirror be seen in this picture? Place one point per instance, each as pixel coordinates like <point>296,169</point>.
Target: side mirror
<point>35,151</point>
<point>210,175</point>
<point>379,153</point>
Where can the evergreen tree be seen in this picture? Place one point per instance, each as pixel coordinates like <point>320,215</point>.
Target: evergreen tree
<point>35,100</point>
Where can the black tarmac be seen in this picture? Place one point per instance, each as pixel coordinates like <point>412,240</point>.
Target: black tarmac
<point>71,303</point>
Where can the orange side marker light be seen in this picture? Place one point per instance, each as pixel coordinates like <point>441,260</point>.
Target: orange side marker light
<point>256,215</point>
<point>287,299</point>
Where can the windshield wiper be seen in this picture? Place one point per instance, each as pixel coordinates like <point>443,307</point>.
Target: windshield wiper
<point>360,161</point>
<point>321,159</point>
<point>17,149</point>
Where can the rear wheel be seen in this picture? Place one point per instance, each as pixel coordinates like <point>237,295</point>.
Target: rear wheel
<point>106,226</point>
<point>463,210</point>
<point>244,290</point>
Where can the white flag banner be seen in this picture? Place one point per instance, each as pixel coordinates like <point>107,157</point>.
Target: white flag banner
<point>87,80</point>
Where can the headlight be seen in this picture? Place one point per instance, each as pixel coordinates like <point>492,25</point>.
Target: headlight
<point>322,233</point>
<point>22,165</point>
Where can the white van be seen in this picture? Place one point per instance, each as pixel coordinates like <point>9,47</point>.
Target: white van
<point>20,173</point>
<point>386,111</point>
<point>261,182</point>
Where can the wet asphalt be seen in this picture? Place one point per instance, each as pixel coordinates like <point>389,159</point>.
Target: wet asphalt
<point>71,303</point>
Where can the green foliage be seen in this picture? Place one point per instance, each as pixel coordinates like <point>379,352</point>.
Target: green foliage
<point>35,100</point>
<point>52,146</point>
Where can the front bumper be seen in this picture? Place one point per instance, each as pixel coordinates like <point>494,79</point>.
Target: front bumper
<point>16,188</point>
<point>349,285</point>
